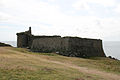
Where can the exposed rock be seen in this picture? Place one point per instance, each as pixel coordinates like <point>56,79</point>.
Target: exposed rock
<point>3,45</point>
<point>112,57</point>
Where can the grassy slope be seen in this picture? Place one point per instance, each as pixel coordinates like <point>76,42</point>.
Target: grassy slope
<point>20,64</point>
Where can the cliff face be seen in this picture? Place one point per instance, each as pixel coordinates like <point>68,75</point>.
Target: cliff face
<point>3,44</point>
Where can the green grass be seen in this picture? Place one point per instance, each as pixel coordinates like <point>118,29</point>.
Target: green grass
<point>24,50</point>
<point>104,64</point>
<point>101,63</point>
<point>21,64</point>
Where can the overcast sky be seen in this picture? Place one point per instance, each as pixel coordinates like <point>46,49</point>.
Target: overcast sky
<point>83,18</point>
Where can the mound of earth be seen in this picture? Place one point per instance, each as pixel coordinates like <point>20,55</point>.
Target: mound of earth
<point>3,44</point>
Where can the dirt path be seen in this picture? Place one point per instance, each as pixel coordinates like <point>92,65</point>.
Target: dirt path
<point>105,75</point>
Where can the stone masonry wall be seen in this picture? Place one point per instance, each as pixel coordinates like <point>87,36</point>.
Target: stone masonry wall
<point>81,47</point>
<point>22,41</point>
<point>69,46</point>
<point>49,44</point>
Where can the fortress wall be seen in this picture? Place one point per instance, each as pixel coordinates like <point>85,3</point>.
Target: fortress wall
<point>22,41</point>
<point>99,47</point>
<point>82,47</point>
<point>67,46</point>
<point>49,44</point>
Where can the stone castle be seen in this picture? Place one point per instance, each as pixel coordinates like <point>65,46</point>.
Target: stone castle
<point>67,46</point>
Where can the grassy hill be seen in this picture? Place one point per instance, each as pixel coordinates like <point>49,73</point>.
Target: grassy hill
<point>20,64</point>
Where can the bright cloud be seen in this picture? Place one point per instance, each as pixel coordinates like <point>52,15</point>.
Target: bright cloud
<point>81,5</point>
<point>85,4</point>
<point>117,9</point>
<point>51,19</point>
<point>103,2</point>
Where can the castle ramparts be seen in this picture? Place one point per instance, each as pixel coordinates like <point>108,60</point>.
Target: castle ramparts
<point>67,46</point>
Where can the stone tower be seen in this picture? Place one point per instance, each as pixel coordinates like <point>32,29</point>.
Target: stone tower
<point>24,39</point>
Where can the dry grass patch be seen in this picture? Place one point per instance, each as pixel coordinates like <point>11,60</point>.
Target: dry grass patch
<point>20,64</point>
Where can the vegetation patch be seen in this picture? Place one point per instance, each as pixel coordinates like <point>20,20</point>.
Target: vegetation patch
<point>21,64</point>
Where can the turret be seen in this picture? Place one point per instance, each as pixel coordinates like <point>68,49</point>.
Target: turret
<point>24,39</point>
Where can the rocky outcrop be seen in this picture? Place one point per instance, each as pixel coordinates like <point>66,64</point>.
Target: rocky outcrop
<point>3,45</point>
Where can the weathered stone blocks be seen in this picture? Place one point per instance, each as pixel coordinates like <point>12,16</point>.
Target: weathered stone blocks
<point>67,46</point>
